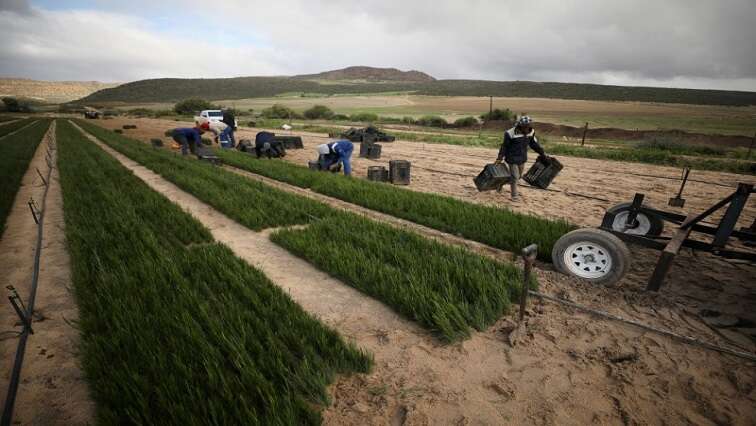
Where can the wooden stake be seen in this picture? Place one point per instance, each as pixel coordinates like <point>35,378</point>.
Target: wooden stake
<point>584,132</point>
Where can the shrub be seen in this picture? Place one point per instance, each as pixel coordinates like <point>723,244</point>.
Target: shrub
<point>432,121</point>
<point>466,122</point>
<point>498,115</point>
<point>340,117</point>
<point>367,117</point>
<point>190,106</point>
<point>279,111</point>
<point>408,120</point>
<point>15,105</point>
<point>318,112</point>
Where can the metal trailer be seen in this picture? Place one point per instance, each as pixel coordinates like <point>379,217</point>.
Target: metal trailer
<point>601,256</point>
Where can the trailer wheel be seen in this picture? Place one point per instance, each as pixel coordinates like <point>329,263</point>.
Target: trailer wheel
<point>593,255</point>
<point>647,224</point>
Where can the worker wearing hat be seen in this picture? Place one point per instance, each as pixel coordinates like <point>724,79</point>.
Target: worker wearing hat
<point>190,137</point>
<point>332,155</point>
<point>514,150</point>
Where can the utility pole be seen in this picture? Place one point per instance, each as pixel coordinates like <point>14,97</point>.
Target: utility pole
<point>753,139</point>
<point>584,132</point>
<point>490,107</point>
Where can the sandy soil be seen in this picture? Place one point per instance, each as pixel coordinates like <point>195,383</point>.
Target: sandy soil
<point>562,367</point>
<point>52,390</point>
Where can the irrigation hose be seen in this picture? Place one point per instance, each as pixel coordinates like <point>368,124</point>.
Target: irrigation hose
<point>10,399</point>
<point>679,337</point>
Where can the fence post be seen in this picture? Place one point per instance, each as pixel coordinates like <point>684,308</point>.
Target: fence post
<point>585,130</point>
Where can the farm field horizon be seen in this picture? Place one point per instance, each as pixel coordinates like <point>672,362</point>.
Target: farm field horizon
<point>707,119</point>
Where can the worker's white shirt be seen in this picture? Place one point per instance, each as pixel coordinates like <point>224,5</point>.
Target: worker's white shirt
<point>323,149</point>
<point>217,126</point>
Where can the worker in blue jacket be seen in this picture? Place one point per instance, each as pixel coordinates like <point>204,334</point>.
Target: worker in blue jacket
<point>514,150</point>
<point>190,137</point>
<point>332,155</point>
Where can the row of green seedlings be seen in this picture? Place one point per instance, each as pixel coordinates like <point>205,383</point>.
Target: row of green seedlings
<point>497,227</point>
<point>176,329</point>
<point>448,290</point>
<point>16,152</point>
<point>9,128</point>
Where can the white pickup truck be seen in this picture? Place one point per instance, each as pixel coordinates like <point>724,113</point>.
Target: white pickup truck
<point>209,116</point>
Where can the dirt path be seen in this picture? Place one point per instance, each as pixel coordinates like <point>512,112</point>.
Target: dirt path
<point>566,368</point>
<point>52,389</point>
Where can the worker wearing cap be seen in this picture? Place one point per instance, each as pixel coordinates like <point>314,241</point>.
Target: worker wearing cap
<point>190,137</point>
<point>514,149</point>
<point>331,155</point>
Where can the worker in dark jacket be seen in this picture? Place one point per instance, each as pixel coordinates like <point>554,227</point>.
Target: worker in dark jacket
<point>190,137</point>
<point>514,149</point>
<point>266,144</point>
<point>332,155</point>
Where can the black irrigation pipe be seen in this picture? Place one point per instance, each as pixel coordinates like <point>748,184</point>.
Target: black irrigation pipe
<point>675,336</point>
<point>10,399</point>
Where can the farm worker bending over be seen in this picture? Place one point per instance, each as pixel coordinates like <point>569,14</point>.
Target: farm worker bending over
<point>220,128</point>
<point>190,137</point>
<point>266,144</point>
<point>514,149</point>
<point>330,155</point>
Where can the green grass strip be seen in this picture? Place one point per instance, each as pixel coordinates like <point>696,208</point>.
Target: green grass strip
<point>496,227</point>
<point>253,204</point>
<point>446,289</point>
<point>16,153</point>
<point>175,329</point>
<point>12,127</point>
<point>655,156</point>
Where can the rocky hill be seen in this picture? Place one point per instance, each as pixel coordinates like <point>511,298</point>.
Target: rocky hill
<point>50,91</point>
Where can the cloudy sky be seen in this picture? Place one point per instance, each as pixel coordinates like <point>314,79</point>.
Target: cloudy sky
<point>675,43</point>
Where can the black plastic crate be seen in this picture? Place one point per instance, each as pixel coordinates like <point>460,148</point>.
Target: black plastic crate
<point>399,172</point>
<point>377,173</point>
<point>290,142</point>
<point>543,172</point>
<point>493,176</point>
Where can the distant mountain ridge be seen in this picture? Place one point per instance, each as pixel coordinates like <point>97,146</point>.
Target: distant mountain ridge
<point>356,80</point>
<point>370,74</point>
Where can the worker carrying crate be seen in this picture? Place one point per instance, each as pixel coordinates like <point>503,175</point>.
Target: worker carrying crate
<point>514,152</point>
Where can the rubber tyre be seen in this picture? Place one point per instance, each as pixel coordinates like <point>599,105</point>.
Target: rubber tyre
<point>657,224</point>
<point>614,248</point>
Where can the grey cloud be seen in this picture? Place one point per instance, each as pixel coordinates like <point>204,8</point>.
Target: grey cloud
<point>17,6</point>
<point>673,42</point>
